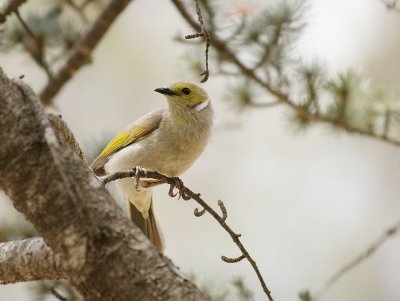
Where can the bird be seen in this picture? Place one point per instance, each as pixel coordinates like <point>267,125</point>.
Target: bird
<point>166,140</point>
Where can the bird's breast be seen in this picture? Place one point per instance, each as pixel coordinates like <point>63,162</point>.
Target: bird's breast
<point>169,150</point>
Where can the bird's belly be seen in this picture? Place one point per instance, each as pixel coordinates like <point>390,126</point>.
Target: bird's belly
<point>167,157</point>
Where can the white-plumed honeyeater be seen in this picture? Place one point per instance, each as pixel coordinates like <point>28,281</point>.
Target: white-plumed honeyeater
<point>164,140</point>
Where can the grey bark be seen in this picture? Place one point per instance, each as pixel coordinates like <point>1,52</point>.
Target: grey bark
<point>94,244</point>
<point>27,260</point>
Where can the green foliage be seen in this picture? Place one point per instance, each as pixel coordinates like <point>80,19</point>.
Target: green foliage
<point>243,292</point>
<point>305,296</point>
<point>240,95</point>
<point>256,46</point>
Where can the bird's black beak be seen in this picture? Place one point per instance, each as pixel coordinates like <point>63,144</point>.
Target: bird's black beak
<point>165,91</point>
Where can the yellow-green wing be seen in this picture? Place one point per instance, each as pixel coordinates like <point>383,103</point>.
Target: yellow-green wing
<point>138,130</point>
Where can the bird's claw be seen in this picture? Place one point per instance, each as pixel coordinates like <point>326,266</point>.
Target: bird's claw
<point>178,184</point>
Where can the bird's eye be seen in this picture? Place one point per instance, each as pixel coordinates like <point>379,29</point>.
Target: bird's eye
<point>186,91</point>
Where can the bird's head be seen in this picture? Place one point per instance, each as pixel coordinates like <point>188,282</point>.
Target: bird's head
<point>185,95</point>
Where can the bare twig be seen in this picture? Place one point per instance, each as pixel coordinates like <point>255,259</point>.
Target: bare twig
<point>198,212</point>
<point>228,55</point>
<point>80,54</point>
<point>12,7</point>
<point>390,232</point>
<point>203,33</point>
<point>186,194</point>
<point>38,54</point>
<point>232,260</point>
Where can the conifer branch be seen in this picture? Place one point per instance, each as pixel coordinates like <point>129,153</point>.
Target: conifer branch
<point>373,247</point>
<point>281,96</point>
<point>176,183</point>
<point>80,54</point>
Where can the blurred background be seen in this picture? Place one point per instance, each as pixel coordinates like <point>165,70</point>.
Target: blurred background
<point>305,202</point>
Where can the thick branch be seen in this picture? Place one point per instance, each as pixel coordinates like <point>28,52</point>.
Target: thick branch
<point>27,260</point>
<point>99,250</point>
<point>62,132</point>
<point>80,54</point>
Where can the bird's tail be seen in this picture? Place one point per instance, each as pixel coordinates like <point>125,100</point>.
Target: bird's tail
<point>147,225</point>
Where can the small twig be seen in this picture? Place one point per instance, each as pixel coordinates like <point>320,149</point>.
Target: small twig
<point>186,194</point>
<point>24,25</point>
<point>356,261</point>
<point>78,10</point>
<point>81,52</point>
<point>39,57</point>
<point>232,260</point>
<point>58,295</point>
<point>203,33</point>
<point>12,7</point>
<point>198,212</point>
<point>223,210</point>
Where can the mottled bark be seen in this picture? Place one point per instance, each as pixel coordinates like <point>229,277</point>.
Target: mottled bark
<point>95,245</point>
<point>27,260</point>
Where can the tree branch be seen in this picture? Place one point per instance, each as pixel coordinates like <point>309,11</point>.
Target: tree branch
<point>187,194</point>
<point>98,249</point>
<point>375,245</point>
<point>228,55</point>
<point>37,53</point>
<point>80,54</point>
<point>12,7</point>
<point>203,33</point>
<point>64,134</point>
<point>27,260</point>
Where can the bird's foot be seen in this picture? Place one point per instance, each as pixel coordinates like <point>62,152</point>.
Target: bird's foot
<point>178,184</point>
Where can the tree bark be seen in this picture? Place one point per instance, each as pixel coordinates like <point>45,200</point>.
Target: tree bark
<point>94,244</point>
<point>27,260</point>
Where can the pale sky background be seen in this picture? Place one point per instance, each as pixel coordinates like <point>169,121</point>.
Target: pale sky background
<point>304,203</point>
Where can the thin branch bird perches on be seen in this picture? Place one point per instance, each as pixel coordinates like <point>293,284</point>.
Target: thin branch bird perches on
<point>186,194</point>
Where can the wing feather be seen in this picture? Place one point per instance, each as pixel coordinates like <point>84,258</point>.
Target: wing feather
<point>136,131</point>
